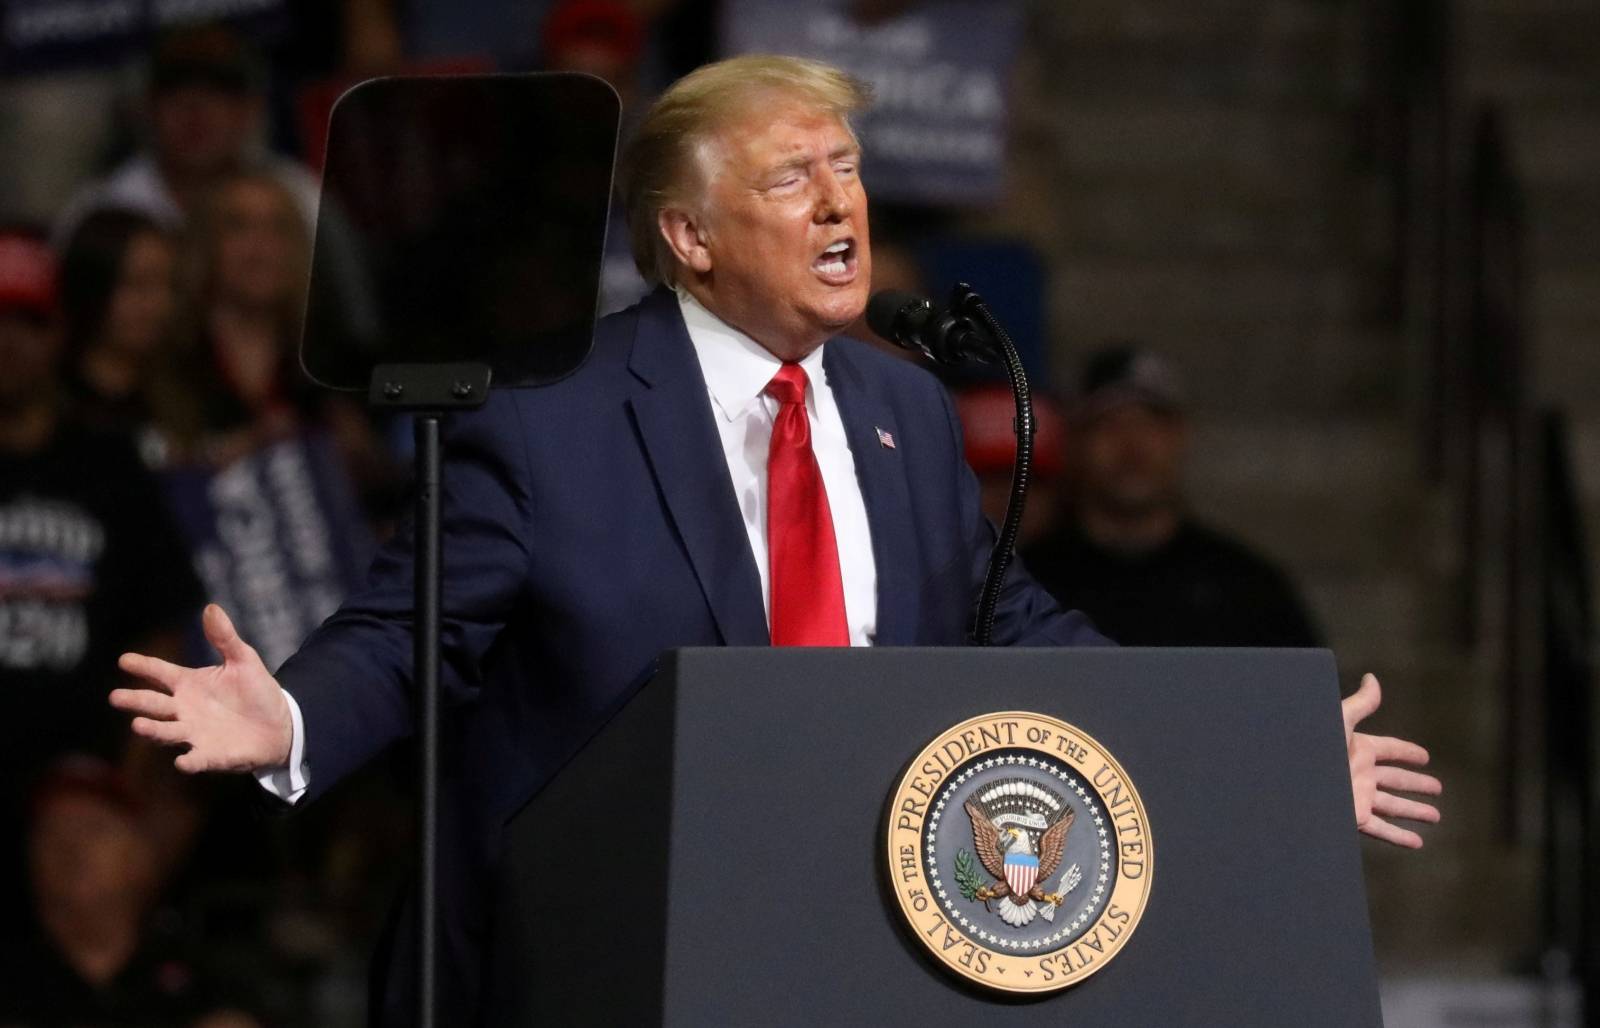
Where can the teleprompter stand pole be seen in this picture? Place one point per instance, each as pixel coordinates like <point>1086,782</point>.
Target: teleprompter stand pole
<point>429,391</point>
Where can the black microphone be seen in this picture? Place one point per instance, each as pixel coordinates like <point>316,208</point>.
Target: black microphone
<point>913,322</point>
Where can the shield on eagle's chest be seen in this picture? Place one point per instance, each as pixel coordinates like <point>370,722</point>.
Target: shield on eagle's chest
<point>1021,870</point>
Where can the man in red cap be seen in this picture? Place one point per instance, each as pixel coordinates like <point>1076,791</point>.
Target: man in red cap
<point>1128,551</point>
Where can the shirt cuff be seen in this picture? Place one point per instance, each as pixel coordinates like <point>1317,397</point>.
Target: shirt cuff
<point>290,781</point>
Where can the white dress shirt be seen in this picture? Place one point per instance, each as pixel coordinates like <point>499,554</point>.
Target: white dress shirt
<point>736,369</point>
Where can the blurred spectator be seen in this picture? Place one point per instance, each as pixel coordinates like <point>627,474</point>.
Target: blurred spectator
<point>90,564</point>
<point>247,262</point>
<point>988,420</point>
<point>119,301</point>
<point>97,956</point>
<point>247,265</point>
<point>1127,552</point>
<point>206,117</point>
<point>370,36</point>
<point>206,120</point>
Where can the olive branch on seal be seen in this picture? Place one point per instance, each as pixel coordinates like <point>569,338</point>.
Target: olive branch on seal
<point>967,879</point>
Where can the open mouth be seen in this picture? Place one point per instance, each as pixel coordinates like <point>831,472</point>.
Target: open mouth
<point>837,264</point>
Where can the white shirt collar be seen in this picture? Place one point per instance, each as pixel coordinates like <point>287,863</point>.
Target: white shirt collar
<point>736,367</point>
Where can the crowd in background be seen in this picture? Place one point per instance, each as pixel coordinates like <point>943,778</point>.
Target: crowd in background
<point>148,336</point>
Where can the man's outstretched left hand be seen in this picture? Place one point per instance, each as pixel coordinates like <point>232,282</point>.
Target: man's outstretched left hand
<point>1375,781</point>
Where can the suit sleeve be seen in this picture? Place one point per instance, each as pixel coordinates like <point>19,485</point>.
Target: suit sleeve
<point>1027,615</point>
<point>352,676</point>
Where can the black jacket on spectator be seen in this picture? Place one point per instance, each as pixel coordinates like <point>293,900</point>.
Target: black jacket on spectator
<point>1200,589</point>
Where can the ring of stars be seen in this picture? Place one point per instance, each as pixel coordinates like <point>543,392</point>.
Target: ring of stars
<point>947,899</point>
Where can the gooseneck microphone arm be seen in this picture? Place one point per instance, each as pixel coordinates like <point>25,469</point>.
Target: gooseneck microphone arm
<point>967,300</point>
<point>969,331</point>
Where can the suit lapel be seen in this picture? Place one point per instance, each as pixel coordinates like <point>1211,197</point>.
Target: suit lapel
<point>673,415</point>
<point>883,489</point>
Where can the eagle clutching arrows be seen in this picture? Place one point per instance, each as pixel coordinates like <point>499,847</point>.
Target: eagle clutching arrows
<point>1020,832</point>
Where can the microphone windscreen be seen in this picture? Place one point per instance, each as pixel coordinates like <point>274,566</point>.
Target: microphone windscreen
<point>883,312</point>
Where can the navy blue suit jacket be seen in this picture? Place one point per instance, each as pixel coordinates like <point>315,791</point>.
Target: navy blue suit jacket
<point>588,526</point>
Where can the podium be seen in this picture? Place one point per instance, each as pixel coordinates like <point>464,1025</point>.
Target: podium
<point>716,853</point>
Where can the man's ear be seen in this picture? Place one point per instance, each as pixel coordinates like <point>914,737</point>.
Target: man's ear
<point>686,236</point>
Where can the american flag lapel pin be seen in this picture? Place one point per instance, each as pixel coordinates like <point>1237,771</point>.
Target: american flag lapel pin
<point>885,439</point>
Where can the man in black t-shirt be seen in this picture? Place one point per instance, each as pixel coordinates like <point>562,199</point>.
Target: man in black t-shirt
<point>1127,552</point>
<point>90,562</point>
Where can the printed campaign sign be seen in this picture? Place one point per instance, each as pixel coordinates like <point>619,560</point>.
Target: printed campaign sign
<point>277,539</point>
<point>940,73</point>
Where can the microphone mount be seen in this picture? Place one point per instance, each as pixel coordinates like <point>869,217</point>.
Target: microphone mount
<point>968,331</point>
<point>945,337</point>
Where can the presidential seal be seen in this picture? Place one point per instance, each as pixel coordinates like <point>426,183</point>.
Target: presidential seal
<point>1019,852</point>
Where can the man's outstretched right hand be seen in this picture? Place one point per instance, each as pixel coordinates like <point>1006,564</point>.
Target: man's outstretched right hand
<point>232,717</point>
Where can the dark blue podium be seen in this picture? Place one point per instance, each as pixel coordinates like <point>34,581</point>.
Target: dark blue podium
<point>715,854</point>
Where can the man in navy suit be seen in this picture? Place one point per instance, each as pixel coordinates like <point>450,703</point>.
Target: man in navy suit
<point>720,472</point>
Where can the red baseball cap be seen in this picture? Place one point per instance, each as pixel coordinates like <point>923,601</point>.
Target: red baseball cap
<point>27,274</point>
<point>987,414</point>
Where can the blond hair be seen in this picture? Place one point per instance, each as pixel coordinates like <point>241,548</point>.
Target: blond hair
<point>660,161</point>
<point>206,227</point>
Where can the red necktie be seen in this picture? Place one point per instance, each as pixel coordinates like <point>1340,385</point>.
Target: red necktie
<point>807,589</point>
